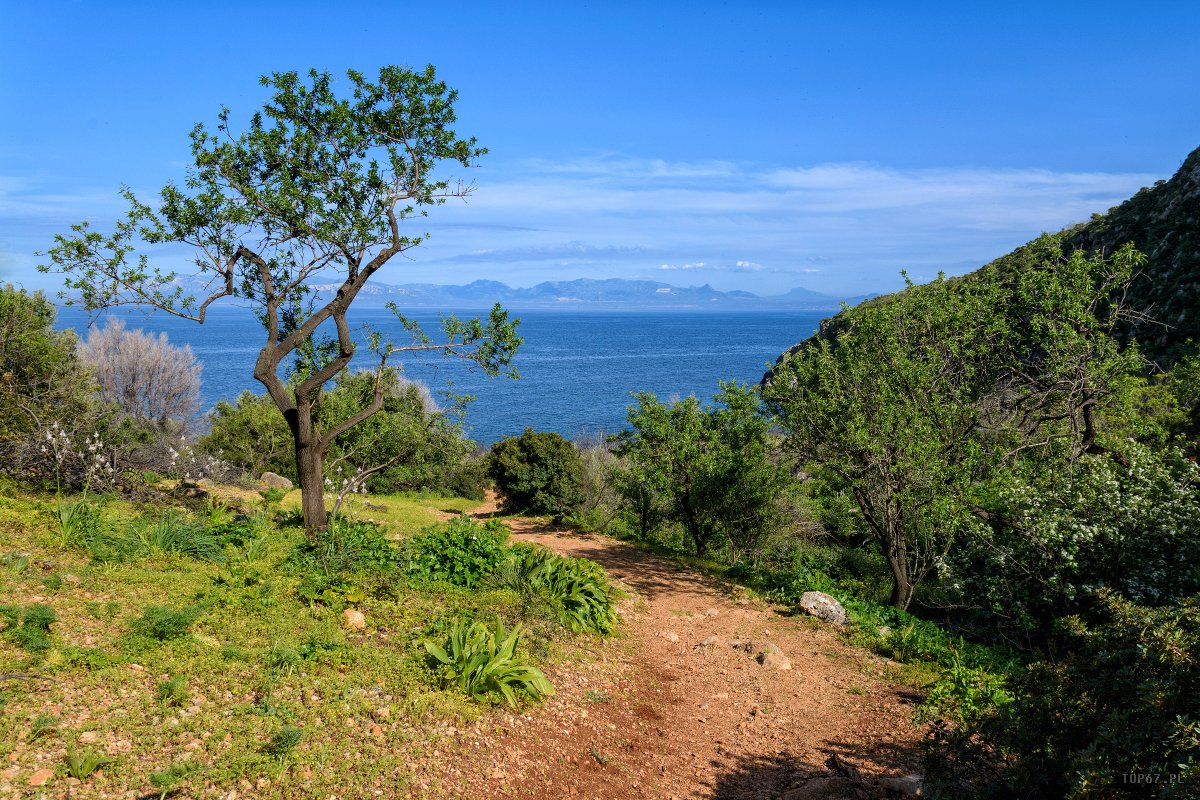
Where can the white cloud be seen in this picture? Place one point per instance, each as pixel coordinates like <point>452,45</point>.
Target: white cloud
<point>748,266</point>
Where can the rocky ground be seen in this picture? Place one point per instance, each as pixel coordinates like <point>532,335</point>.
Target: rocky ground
<point>705,694</point>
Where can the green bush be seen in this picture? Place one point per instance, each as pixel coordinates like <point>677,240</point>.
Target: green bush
<point>482,662</point>
<point>461,551</point>
<point>1120,700</point>
<point>162,623</point>
<point>537,473</point>
<point>29,627</point>
<point>575,590</point>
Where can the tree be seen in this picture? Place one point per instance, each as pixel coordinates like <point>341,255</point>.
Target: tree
<point>145,376</point>
<point>713,468</point>
<point>42,382</point>
<point>914,401</point>
<point>316,188</point>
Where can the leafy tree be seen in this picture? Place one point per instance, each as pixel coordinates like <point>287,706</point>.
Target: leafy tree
<point>409,444</point>
<point>714,468</point>
<point>316,188</point>
<point>44,389</point>
<point>913,402</point>
<point>539,472</point>
<point>889,407</point>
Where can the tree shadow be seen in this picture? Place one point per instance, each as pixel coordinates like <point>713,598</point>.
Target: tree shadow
<point>851,770</point>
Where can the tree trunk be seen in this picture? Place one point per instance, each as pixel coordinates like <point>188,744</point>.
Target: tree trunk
<point>897,559</point>
<point>310,468</point>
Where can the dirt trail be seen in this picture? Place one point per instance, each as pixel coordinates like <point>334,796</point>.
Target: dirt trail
<point>658,714</point>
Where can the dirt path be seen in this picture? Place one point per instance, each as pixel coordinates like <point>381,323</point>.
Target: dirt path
<point>658,713</point>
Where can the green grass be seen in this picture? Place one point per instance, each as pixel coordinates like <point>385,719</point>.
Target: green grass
<point>201,699</point>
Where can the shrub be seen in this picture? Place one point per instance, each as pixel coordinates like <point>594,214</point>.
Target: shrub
<point>28,627</point>
<point>162,623</point>
<point>482,661</point>
<point>145,376</point>
<point>1122,698</point>
<point>347,548</point>
<point>284,741</point>
<point>461,551</point>
<point>538,473</point>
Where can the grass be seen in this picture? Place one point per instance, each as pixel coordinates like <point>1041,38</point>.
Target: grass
<point>188,671</point>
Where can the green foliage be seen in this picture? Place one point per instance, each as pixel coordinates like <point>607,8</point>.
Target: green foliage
<point>82,763</point>
<point>172,692</point>
<point>575,590</point>
<point>483,663</point>
<point>337,562</point>
<point>1059,534</point>
<point>43,725</point>
<point>28,627</point>
<point>41,381</point>
<point>250,434</point>
<point>910,402</point>
<point>79,522</point>
<point>713,470</point>
<point>162,623</point>
<point>460,551</point>
<point>169,779</point>
<point>284,741</point>
<point>1121,699</point>
<point>537,473</point>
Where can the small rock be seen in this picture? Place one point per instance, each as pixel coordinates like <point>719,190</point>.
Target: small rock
<point>381,713</point>
<point>137,668</point>
<point>711,641</point>
<point>275,481</point>
<point>822,606</point>
<point>755,646</point>
<point>774,661</point>
<point>354,619</point>
<point>41,777</point>
<point>88,737</point>
<point>375,506</point>
<point>74,580</point>
<point>375,730</point>
<point>904,785</point>
<point>670,636</point>
<point>711,612</point>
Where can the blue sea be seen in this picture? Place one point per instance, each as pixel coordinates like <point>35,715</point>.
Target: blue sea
<point>578,368</point>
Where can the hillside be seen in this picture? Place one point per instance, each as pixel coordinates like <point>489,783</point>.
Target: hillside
<point>1162,221</point>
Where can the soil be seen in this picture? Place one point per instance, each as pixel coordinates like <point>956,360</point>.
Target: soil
<point>664,710</point>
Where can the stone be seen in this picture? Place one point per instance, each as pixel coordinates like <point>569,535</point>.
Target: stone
<point>823,607</point>
<point>711,612</point>
<point>382,713</point>
<point>710,642</point>
<point>89,737</point>
<point>354,619</point>
<point>41,777</point>
<point>774,661</point>
<point>904,785</point>
<point>375,506</point>
<point>755,647</point>
<point>276,481</point>
<point>670,636</point>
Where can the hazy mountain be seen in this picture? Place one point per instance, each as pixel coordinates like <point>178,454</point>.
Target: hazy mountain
<point>586,293</point>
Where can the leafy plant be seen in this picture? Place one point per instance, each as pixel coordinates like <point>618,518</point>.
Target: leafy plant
<point>43,725</point>
<point>173,692</point>
<point>284,741</point>
<point>482,662</point>
<point>79,522</point>
<point>163,623</point>
<point>82,763</point>
<point>29,627</point>
<point>576,590</point>
<point>173,533</point>
<point>168,780</point>
<point>461,551</point>
<point>537,472</point>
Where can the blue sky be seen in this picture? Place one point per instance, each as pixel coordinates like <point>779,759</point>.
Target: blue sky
<point>755,146</point>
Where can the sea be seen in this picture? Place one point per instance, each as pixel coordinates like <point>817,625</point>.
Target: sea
<point>579,369</point>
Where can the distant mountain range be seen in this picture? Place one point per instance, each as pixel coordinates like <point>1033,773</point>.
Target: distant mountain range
<point>610,293</point>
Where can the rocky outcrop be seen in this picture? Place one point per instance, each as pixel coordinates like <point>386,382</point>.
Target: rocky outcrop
<point>822,606</point>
